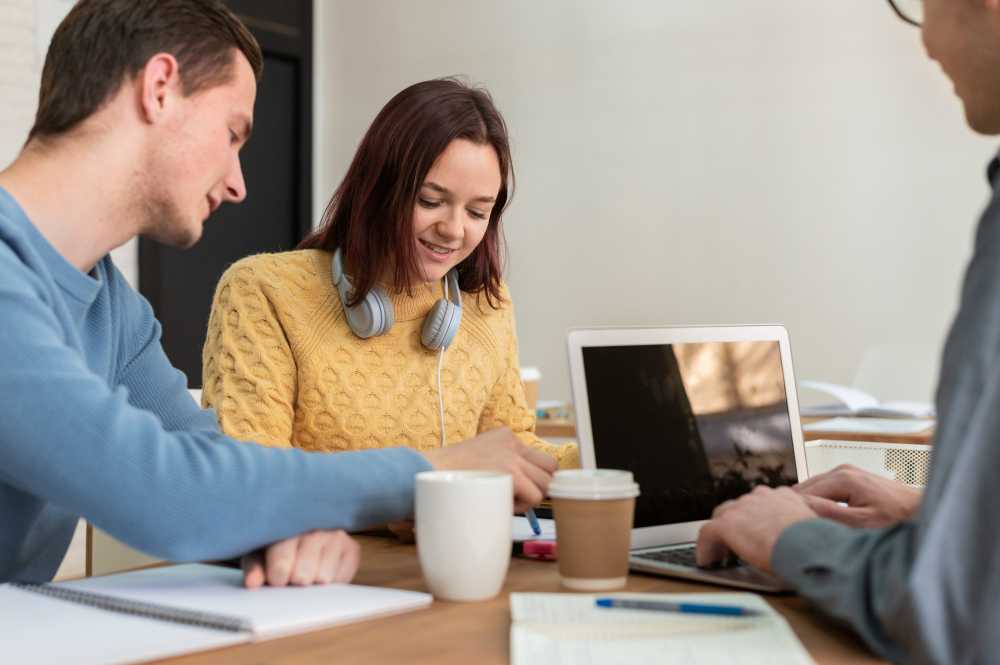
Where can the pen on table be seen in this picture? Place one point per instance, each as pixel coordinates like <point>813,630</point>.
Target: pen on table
<point>691,608</point>
<point>533,521</point>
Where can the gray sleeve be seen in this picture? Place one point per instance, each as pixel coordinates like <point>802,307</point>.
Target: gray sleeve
<point>857,576</point>
<point>927,591</point>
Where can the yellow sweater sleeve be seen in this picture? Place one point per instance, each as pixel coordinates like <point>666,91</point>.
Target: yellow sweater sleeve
<point>249,375</point>
<point>506,406</point>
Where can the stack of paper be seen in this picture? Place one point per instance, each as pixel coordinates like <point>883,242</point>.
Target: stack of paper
<point>870,425</point>
<point>569,629</point>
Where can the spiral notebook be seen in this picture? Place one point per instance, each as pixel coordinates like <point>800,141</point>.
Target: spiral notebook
<point>569,629</point>
<point>162,612</point>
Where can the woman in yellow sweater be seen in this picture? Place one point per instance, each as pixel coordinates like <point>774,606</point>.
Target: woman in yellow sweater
<point>392,317</point>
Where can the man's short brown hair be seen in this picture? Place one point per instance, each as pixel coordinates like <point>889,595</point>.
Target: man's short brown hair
<point>101,43</point>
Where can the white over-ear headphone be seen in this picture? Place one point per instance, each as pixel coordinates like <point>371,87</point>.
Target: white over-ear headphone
<point>373,316</point>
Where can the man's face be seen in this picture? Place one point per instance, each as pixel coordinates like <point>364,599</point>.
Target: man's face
<point>963,36</point>
<point>193,161</point>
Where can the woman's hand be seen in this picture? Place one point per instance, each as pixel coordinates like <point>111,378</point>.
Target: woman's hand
<point>872,501</point>
<point>501,450</point>
<point>317,557</point>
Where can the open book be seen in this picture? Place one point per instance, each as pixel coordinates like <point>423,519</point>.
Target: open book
<point>569,629</point>
<point>182,609</point>
<point>855,402</point>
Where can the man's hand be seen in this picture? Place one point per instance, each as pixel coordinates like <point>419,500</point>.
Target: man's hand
<point>500,450</point>
<point>317,557</point>
<point>872,501</point>
<point>749,526</point>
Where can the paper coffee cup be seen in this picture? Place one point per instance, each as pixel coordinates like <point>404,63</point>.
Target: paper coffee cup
<point>593,510</point>
<point>530,376</point>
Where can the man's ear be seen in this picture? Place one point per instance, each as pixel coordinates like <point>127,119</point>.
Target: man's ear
<point>159,81</point>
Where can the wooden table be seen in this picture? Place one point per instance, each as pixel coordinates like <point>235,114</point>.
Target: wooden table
<point>478,633</point>
<point>566,428</point>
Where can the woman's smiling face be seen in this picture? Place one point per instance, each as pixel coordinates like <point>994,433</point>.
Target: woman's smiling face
<point>453,207</point>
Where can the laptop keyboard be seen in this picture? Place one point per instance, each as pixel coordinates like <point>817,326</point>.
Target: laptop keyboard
<point>683,556</point>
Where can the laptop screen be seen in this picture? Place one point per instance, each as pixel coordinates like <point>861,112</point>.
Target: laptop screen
<point>697,424</point>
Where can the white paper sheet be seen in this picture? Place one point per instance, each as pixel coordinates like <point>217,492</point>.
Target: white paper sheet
<point>568,629</point>
<point>521,530</point>
<point>273,611</point>
<point>870,425</point>
<point>43,630</point>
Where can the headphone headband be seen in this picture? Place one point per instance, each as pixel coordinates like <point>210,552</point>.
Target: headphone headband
<point>453,292</point>
<point>338,267</point>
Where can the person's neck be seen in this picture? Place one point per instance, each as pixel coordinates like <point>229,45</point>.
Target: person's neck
<point>78,194</point>
<point>389,277</point>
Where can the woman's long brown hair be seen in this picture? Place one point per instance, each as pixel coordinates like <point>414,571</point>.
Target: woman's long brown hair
<point>371,214</point>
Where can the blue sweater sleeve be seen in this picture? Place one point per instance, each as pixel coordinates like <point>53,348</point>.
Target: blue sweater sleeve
<point>153,383</point>
<point>70,439</point>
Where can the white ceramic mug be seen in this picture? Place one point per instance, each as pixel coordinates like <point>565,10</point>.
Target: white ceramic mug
<point>463,532</point>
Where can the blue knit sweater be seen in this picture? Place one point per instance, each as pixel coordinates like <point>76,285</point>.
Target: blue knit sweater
<point>95,422</point>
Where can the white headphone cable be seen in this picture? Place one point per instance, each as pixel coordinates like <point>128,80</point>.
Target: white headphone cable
<point>440,400</point>
<point>440,360</point>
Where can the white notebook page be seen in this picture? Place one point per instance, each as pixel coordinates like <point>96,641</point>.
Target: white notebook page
<point>43,630</point>
<point>557,629</point>
<point>273,611</point>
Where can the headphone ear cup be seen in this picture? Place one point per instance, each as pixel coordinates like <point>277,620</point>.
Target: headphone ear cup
<point>430,334</point>
<point>384,304</point>
<point>451,326</point>
<point>371,317</point>
<point>441,325</point>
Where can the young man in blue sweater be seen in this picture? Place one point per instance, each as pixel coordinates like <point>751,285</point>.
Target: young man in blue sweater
<point>917,577</point>
<point>143,108</point>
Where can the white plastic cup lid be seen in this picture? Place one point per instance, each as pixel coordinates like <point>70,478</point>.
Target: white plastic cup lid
<point>594,484</point>
<point>530,374</point>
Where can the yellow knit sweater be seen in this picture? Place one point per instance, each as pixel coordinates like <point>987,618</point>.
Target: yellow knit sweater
<point>282,367</point>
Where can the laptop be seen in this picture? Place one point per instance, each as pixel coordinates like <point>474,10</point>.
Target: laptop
<point>699,415</point>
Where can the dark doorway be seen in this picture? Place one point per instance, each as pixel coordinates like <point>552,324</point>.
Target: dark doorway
<point>277,212</point>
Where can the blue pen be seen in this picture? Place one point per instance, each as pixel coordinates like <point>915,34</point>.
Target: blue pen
<point>692,608</point>
<point>533,521</point>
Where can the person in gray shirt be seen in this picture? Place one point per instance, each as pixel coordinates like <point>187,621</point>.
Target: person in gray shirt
<point>918,578</point>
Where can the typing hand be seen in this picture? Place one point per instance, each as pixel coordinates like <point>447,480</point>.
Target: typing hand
<point>317,557</point>
<point>872,501</point>
<point>500,450</point>
<point>749,527</point>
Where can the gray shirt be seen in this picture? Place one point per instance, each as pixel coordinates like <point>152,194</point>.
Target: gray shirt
<point>928,591</point>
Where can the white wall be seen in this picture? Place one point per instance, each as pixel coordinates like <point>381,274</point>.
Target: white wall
<point>687,162</point>
<point>19,76</point>
<point>26,27</point>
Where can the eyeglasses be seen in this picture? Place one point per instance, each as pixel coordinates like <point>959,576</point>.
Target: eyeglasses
<point>911,11</point>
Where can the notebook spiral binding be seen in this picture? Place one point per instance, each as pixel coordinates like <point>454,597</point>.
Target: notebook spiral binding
<point>225,622</point>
